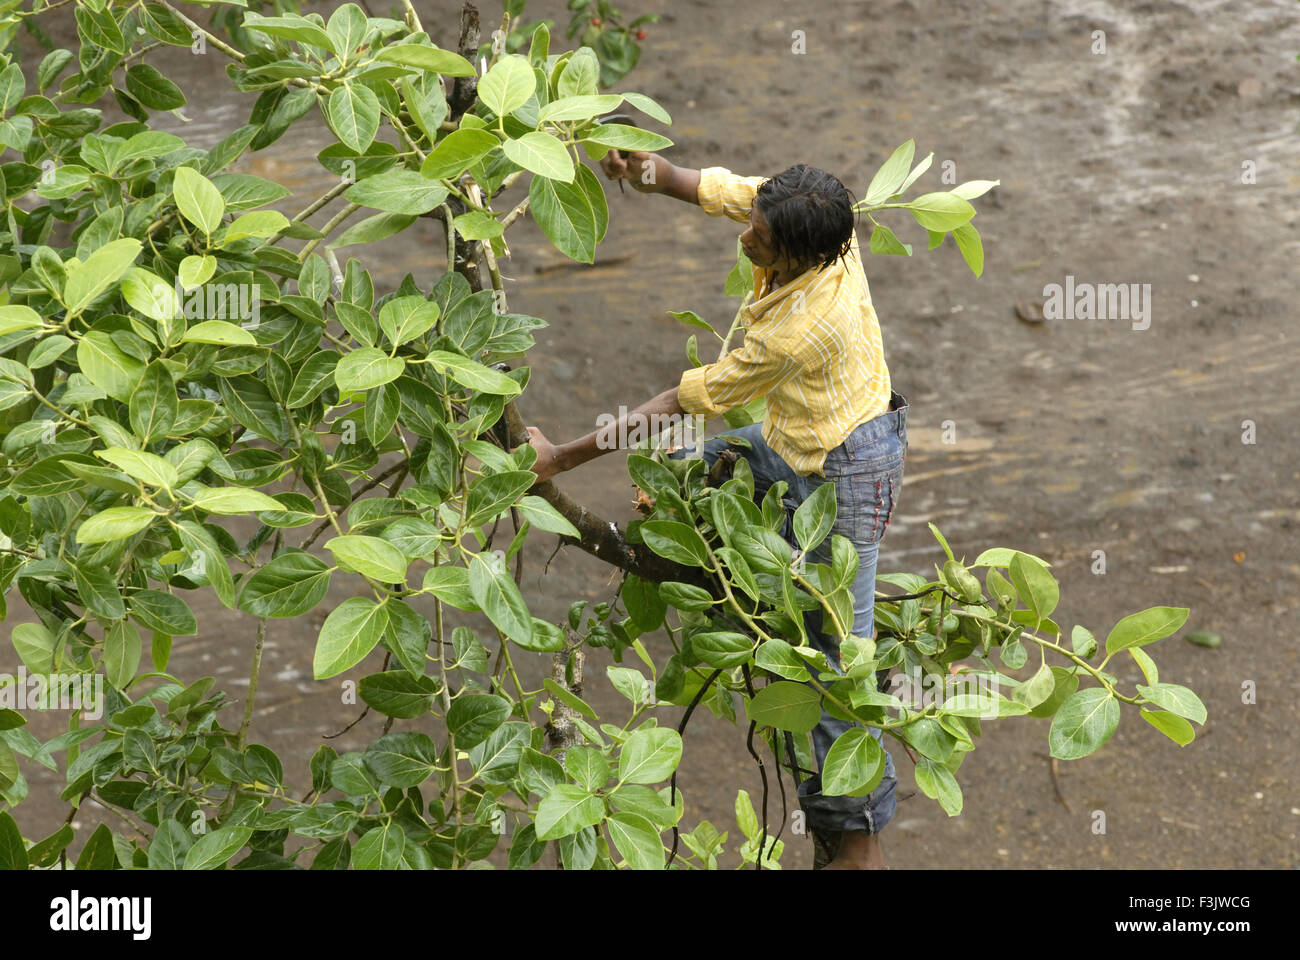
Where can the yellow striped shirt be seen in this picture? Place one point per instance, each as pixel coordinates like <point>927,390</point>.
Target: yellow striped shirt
<point>812,347</point>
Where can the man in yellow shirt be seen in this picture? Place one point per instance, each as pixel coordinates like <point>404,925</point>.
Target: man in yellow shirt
<point>812,347</point>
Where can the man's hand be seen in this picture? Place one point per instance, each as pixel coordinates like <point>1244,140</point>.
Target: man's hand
<point>632,169</point>
<point>547,464</point>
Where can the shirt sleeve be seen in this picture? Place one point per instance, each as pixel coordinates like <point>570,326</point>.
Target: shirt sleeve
<point>740,376</point>
<point>723,193</point>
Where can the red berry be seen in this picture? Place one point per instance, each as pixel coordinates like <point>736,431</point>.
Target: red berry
<point>595,21</point>
<point>640,34</point>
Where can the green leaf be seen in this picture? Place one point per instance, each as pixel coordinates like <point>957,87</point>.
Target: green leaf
<point>202,547</point>
<point>496,759</point>
<point>1171,725</point>
<point>941,211</point>
<point>566,810</point>
<point>9,772</point>
<point>98,853</point>
<point>578,108</point>
<point>472,374</point>
<point>444,62</point>
<point>889,178</point>
<point>491,495</point>
<point>291,27</point>
<point>974,188</point>
<point>154,403</point>
<point>937,782</point>
<point>477,225</point>
<point>46,852</point>
<point>121,654</point>
<point>115,523</point>
<point>722,648</point>
<point>619,136</point>
<point>349,633</point>
<point>496,593</point>
<point>647,106</point>
<point>1083,723</point>
<point>99,592</point>
<point>259,223</point>
<point>107,367</point>
<point>580,75</point>
<point>541,153</point>
<point>786,706</point>
<point>288,586</point>
<point>675,541</point>
<point>152,89</point>
<point>1036,689</point>
<point>884,241</point>
<point>102,269</point>
<point>1176,699</point>
<point>778,657</point>
<point>1082,642</point>
<point>567,215</point>
<point>219,332</point>
<point>398,191</point>
<point>380,849</point>
<point>146,467</point>
<point>13,852</point>
<point>543,516</point>
<point>402,760</point>
<point>572,699</point>
<point>213,850</point>
<point>370,556</point>
<point>198,199</point>
<point>347,29</point>
<point>365,368</point>
<point>1147,626</point>
<point>35,647</point>
<point>854,764</point>
<point>691,319</point>
<point>147,293</point>
<point>972,249</point>
<point>15,317</point>
<point>815,517</point>
<point>1037,588</point>
<point>195,270</point>
<point>163,612</point>
<point>232,501</point>
<point>637,841</point>
<point>353,112</point>
<point>456,153</point>
<point>508,85</point>
<point>379,227</point>
<point>587,767</point>
<point>649,755</point>
<point>315,374</point>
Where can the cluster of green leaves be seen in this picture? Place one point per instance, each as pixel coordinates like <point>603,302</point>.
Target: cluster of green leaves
<point>942,213</point>
<point>144,426</point>
<point>613,41</point>
<point>750,622</point>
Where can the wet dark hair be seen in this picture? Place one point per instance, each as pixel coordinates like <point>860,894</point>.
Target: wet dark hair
<point>810,214</point>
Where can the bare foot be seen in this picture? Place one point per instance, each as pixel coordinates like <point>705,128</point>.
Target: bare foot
<point>859,851</point>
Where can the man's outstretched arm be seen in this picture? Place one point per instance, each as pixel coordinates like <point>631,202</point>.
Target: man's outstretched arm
<point>557,458</point>
<point>651,173</point>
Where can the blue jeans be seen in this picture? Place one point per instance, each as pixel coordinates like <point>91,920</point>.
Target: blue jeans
<point>867,470</point>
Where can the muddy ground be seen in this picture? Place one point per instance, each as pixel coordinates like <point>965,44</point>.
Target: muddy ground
<point>1072,436</point>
